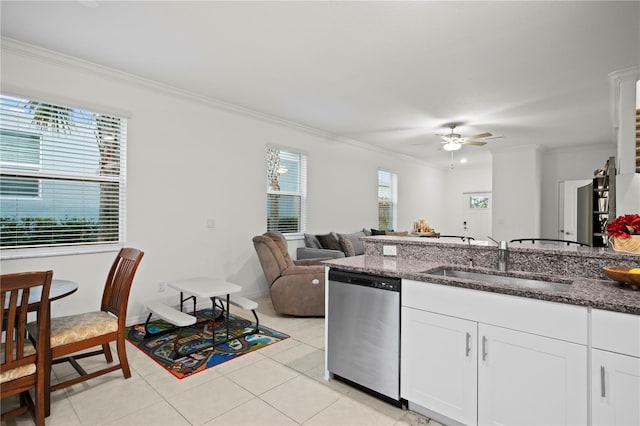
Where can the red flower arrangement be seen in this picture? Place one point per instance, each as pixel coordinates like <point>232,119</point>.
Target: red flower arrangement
<point>624,226</point>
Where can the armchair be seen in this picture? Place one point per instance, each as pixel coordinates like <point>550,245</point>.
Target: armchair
<point>296,287</point>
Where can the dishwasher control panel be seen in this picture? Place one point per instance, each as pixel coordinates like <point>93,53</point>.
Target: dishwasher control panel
<point>365,280</point>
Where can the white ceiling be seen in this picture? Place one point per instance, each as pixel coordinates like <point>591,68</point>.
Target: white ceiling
<point>391,74</point>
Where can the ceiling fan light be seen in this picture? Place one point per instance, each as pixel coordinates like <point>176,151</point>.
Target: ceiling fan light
<point>452,146</point>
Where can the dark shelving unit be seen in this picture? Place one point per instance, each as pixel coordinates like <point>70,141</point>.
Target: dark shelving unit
<point>604,203</point>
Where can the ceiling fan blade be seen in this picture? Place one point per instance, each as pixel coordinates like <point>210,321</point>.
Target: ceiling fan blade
<point>480,136</point>
<point>474,143</point>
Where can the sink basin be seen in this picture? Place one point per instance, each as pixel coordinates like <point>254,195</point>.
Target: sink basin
<point>501,279</point>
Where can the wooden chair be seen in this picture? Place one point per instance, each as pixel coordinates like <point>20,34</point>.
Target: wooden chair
<point>75,333</point>
<point>24,366</point>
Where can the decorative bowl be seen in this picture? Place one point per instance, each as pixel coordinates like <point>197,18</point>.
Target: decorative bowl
<point>627,245</point>
<point>622,275</point>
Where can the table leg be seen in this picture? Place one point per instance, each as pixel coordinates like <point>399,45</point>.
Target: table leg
<point>227,316</point>
<point>184,299</point>
<point>48,362</point>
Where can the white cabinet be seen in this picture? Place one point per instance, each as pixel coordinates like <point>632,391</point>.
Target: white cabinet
<point>615,391</point>
<point>439,359</point>
<point>615,369</point>
<point>529,379</point>
<point>478,357</point>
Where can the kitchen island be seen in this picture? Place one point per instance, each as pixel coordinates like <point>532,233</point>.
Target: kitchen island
<point>474,351</point>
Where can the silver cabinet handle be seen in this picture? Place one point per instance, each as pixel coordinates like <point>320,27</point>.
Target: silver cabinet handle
<point>603,391</point>
<point>468,343</point>
<point>484,348</point>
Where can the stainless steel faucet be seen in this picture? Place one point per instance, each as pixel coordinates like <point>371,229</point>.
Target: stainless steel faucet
<point>503,254</point>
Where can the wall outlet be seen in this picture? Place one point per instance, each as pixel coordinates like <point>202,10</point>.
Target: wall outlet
<point>389,250</point>
<point>162,287</point>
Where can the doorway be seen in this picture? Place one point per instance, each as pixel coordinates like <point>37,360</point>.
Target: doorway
<point>568,208</point>
<point>476,215</point>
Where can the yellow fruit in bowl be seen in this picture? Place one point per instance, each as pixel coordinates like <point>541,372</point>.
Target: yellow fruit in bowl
<point>634,271</point>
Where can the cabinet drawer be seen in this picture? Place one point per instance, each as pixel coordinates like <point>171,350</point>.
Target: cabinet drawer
<point>555,320</point>
<point>616,332</point>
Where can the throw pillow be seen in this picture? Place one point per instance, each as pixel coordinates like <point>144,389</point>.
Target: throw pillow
<point>328,241</point>
<point>378,232</point>
<point>311,241</point>
<point>356,244</point>
<point>345,243</point>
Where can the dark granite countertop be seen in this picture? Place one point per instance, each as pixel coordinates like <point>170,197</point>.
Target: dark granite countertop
<point>599,294</point>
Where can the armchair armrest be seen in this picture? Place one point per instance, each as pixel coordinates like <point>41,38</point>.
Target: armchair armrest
<point>304,270</point>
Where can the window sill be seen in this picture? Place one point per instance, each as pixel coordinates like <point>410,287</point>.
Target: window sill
<point>26,253</point>
<point>294,237</point>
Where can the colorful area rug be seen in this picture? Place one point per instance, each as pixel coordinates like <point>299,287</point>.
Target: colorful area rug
<point>185,351</point>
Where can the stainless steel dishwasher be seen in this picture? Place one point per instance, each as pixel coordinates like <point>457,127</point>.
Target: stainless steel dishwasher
<point>364,332</point>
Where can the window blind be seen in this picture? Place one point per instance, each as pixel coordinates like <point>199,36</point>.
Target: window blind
<point>62,175</point>
<point>286,191</point>
<point>386,200</point>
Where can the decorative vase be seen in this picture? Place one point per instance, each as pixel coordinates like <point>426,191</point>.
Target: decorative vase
<point>627,245</point>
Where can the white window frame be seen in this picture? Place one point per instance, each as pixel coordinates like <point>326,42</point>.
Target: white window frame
<point>394,197</point>
<point>10,122</point>
<point>301,193</point>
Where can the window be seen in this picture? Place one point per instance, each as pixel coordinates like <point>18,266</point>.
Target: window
<point>286,191</point>
<point>22,150</point>
<point>387,199</point>
<point>62,177</point>
<point>478,202</point>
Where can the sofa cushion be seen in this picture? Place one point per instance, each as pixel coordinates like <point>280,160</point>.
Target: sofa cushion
<point>311,241</point>
<point>329,241</point>
<point>351,243</point>
<point>346,245</point>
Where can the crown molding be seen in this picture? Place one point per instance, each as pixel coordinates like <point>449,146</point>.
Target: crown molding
<point>61,59</point>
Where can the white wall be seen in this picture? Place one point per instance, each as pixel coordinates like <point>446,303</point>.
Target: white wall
<point>190,161</point>
<point>628,194</point>
<point>516,183</point>
<point>458,181</point>
<point>567,164</point>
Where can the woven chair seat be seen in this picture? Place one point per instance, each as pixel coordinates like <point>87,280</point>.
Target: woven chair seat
<point>23,370</point>
<point>76,328</point>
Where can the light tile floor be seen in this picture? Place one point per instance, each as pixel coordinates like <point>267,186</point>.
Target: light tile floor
<point>282,384</point>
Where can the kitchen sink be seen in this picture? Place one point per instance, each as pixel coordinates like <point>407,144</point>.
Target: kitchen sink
<point>501,279</point>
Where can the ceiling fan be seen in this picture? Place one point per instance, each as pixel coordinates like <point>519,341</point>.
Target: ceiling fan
<point>453,141</point>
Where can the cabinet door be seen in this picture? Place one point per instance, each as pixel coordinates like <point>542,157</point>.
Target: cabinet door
<point>615,389</point>
<point>438,368</point>
<point>528,379</point>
